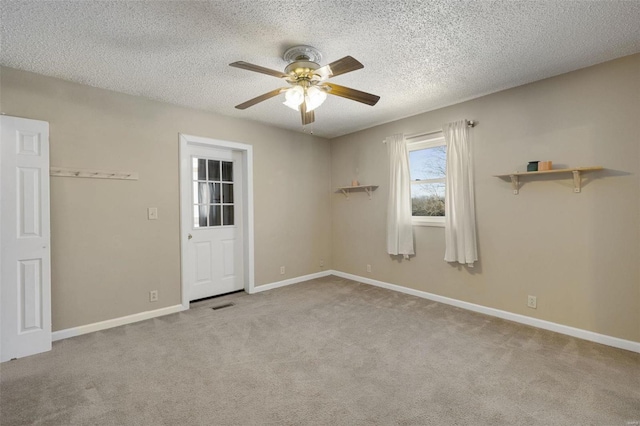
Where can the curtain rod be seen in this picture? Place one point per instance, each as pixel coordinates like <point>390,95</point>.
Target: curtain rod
<point>470,123</point>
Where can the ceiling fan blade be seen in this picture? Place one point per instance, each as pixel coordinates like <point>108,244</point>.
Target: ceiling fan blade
<point>261,98</point>
<point>341,66</point>
<point>257,68</point>
<point>307,117</point>
<point>353,94</point>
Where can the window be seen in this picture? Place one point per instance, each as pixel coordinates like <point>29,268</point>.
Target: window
<point>212,193</point>
<point>427,166</point>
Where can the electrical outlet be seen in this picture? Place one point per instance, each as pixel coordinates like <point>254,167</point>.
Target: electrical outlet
<point>532,302</point>
<point>368,268</point>
<point>282,270</point>
<point>153,296</point>
<point>152,213</point>
<point>321,263</point>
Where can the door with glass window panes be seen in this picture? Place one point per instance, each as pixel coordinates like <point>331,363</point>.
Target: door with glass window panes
<point>215,243</point>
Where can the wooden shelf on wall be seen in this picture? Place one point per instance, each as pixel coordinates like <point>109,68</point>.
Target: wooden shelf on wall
<point>366,188</point>
<point>576,171</point>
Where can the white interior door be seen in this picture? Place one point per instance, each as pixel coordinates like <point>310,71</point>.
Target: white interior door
<point>212,214</point>
<point>25,266</point>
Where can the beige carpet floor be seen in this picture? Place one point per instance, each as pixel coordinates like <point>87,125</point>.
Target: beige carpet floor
<point>325,352</point>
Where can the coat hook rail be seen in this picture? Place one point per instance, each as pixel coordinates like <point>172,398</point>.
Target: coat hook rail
<point>94,174</point>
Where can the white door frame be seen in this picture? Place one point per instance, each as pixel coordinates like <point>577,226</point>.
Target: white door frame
<point>247,211</point>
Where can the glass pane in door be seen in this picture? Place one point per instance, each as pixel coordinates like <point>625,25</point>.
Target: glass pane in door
<point>200,169</point>
<point>202,193</point>
<point>227,193</point>
<point>227,171</point>
<point>215,192</point>
<point>214,215</point>
<point>214,170</point>
<point>228,215</point>
<point>199,216</point>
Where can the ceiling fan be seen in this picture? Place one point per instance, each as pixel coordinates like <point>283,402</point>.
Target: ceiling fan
<point>308,81</point>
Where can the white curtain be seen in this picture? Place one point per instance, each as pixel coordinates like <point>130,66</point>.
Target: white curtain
<point>460,217</point>
<point>399,227</point>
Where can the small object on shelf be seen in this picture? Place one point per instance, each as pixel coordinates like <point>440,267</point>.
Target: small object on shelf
<point>366,188</point>
<point>355,182</point>
<point>532,166</point>
<point>576,171</point>
<point>544,165</point>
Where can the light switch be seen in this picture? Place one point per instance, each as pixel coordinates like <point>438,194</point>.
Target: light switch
<point>152,213</point>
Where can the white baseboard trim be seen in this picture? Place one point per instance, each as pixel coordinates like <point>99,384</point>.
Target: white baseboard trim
<point>103,325</point>
<point>271,286</point>
<point>522,319</point>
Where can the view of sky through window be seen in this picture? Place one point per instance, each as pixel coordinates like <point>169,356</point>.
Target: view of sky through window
<point>428,165</point>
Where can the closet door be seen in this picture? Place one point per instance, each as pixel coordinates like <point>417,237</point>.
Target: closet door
<point>25,258</point>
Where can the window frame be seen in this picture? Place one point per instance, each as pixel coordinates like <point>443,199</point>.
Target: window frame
<point>425,142</point>
<point>221,182</point>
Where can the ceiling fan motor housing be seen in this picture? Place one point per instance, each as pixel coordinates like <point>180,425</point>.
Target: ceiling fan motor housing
<point>301,69</point>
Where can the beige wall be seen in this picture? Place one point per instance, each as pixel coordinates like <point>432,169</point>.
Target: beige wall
<point>578,253</point>
<point>106,255</point>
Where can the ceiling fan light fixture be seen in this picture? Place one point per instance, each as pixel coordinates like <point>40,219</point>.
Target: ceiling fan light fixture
<point>294,96</point>
<point>293,106</point>
<point>315,97</point>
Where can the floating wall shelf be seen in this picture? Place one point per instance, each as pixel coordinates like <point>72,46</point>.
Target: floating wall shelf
<point>576,171</point>
<point>367,188</point>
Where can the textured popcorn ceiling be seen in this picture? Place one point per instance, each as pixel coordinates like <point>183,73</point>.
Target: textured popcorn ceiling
<point>417,55</point>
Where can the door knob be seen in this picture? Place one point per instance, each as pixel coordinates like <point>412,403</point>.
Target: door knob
<point>190,236</point>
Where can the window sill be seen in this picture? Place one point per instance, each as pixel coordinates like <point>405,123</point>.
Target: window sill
<point>434,222</point>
